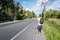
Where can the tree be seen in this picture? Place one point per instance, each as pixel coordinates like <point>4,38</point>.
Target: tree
<point>7,9</point>
<point>52,14</point>
<point>34,15</point>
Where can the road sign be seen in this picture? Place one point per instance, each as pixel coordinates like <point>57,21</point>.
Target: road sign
<point>26,14</point>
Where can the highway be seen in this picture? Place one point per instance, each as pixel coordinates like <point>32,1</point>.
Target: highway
<point>23,30</point>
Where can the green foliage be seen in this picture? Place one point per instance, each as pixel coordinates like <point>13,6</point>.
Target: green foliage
<point>7,7</point>
<point>51,32</point>
<point>57,21</point>
<point>31,14</point>
<point>11,10</point>
<point>52,14</point>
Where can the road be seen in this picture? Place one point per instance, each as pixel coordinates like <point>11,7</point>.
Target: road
<point>24,30</point>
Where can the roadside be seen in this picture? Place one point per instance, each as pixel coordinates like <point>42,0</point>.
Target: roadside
<point>8,23</point>
<point>11,22</point>
<point>30,34</point>
<point>52,31</point>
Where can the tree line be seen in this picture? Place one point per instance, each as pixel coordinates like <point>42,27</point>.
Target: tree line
<point>11,10</point>
<point>52,14</point>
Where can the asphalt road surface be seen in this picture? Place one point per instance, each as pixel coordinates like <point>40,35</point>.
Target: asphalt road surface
<point>24,30</point>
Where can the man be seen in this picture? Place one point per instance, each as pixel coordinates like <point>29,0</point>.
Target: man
<point>40,24</point>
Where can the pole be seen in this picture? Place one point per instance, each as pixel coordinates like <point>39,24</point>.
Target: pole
<point>44,6</point>
<point>44,11</point>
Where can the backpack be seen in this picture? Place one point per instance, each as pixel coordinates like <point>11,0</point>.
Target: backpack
<point>41,20</point>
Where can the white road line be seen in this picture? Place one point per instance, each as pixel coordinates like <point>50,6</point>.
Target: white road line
<point>20,32</point>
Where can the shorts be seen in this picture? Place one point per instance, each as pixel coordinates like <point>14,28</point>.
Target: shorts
<point>39,28</point>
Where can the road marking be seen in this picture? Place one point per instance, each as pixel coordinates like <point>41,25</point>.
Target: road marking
<point>10,25</point>
<point>20,32</point>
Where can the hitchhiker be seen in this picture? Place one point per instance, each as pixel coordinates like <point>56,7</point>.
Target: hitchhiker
<point>40,25</point>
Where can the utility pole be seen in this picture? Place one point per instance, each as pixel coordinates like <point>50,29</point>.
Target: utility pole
<point>44,6</point>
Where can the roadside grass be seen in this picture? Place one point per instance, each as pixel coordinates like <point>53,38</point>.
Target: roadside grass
<point>56,20</point>
<point>51,32</point>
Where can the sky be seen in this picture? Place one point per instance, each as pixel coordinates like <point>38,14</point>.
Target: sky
<point>37,5</point>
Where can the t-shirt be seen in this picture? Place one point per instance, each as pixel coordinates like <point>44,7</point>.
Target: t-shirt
<point>38,21</point>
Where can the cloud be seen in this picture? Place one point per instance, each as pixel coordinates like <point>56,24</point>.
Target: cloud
<point>24,2</point>
<point>55,5</point>
<point>27,9</point>
<point>51,4</point>
<point>37,6</point>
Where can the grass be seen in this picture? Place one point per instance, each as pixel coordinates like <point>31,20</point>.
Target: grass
<point>51,32</point>
<point>57,21</point>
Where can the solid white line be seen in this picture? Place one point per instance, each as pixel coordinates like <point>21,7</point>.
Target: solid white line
<point>20,32</point>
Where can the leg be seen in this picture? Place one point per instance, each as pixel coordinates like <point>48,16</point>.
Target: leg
<point>40,31</point>
<point>37,31</point>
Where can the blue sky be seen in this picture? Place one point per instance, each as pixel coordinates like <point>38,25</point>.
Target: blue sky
<point>37,6</point>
